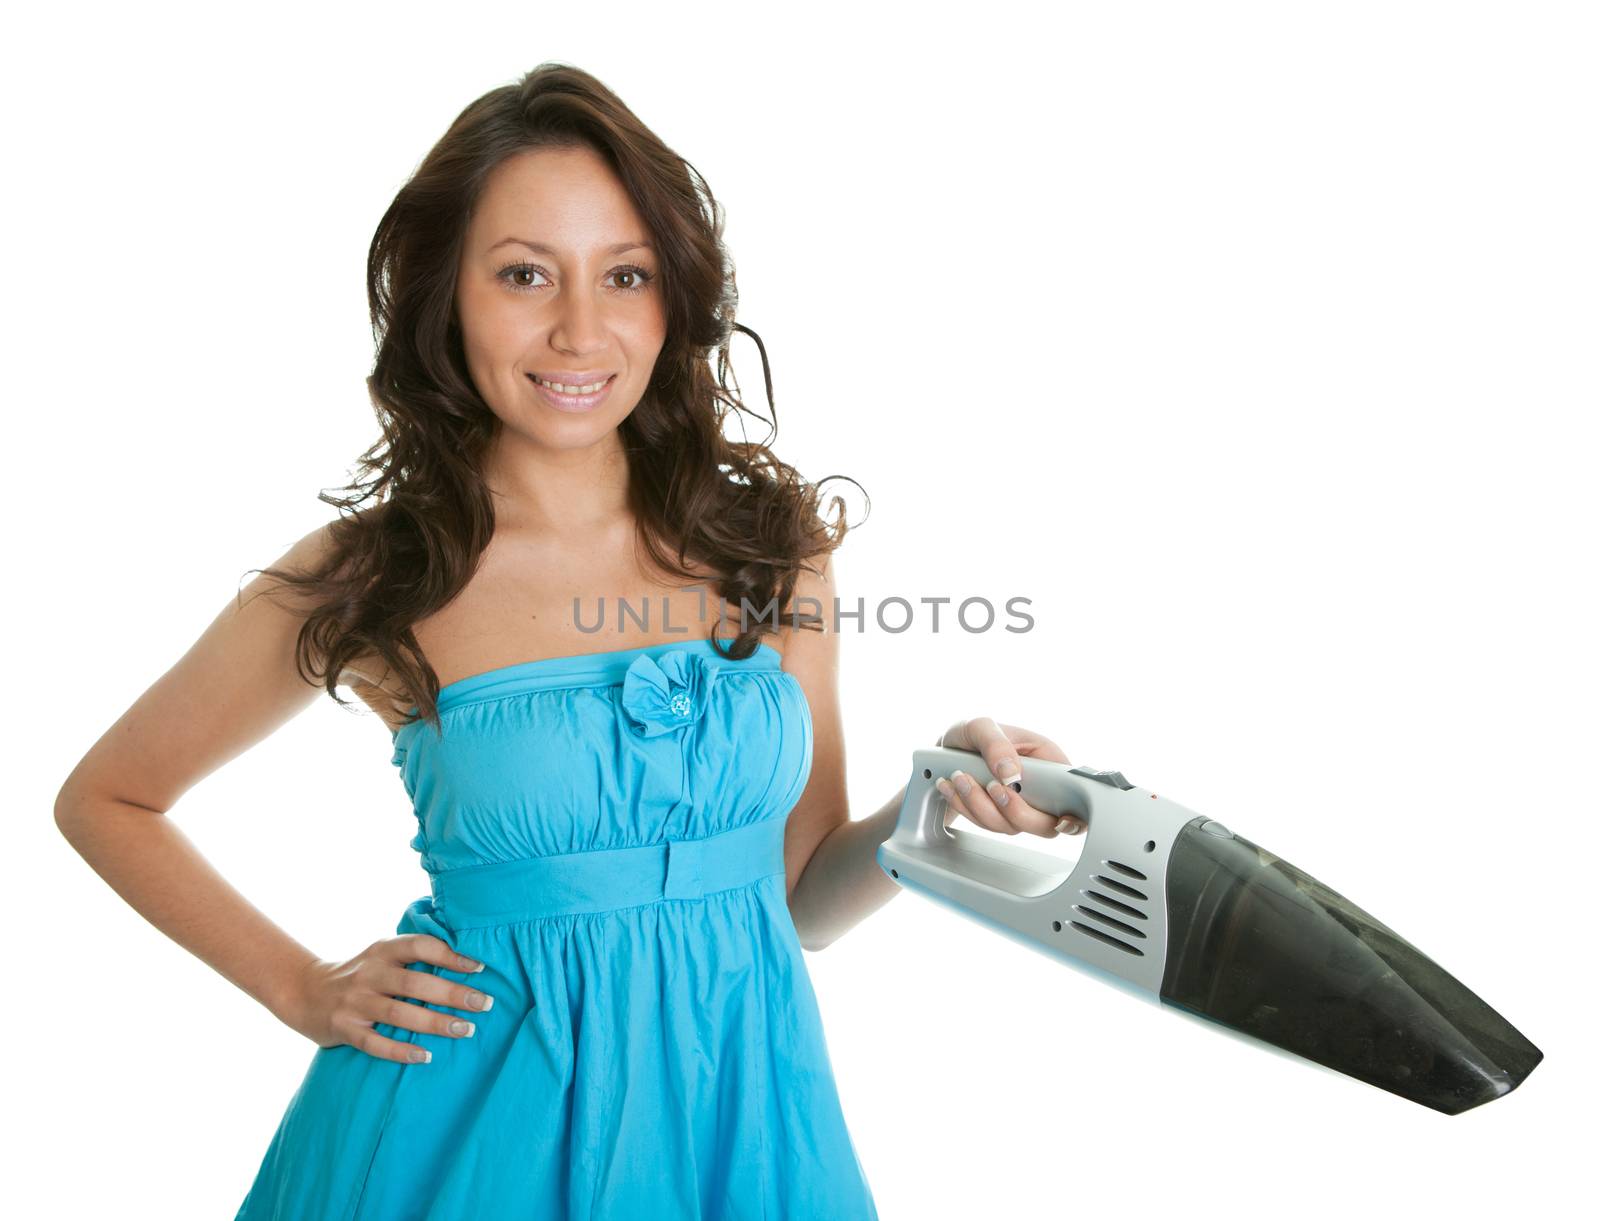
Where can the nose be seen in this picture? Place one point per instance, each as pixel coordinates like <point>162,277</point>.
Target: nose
<point>579,325</point>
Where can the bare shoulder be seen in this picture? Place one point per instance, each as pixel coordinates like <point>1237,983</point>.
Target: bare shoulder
<point>807,652</point>
<point>367,676</point>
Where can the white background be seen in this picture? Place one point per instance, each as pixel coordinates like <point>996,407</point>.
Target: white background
<point>1253,343</point>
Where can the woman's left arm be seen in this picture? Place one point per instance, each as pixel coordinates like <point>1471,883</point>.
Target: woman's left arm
<point>831,861</point>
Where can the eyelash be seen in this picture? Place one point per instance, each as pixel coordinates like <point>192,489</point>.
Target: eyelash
<point>644,277</point>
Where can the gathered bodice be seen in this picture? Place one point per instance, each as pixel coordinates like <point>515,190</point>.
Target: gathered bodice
<point>604,750</point>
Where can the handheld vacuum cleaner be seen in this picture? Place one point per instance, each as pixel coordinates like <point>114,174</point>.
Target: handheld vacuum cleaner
<point>1176,908</point>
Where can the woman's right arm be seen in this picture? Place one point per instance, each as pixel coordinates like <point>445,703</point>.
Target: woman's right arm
<point>234,686</point>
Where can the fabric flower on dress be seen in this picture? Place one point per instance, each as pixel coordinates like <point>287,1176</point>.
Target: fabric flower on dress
<point>662,693</point>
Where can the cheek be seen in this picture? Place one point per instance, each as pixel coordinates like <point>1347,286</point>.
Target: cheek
<point>490,326</point>
<point>646,334</point>
<point>503,331</point>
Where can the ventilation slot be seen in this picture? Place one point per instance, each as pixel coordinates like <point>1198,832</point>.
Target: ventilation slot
<point>1099,936</point>
<point>1122,888</point>
<point>1115,905</point>
<point>1127,869</point>
<point>1108,921</point>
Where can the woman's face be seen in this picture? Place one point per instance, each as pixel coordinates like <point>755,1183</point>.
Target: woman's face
<point>558,281</point>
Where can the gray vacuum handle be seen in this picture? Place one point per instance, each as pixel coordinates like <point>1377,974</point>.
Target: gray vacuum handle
<point>1031,895</point>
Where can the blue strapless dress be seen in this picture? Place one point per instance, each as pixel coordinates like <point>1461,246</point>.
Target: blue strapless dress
<point>605,832</point>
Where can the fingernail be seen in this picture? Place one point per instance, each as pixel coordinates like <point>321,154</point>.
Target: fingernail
<point>963,785</point>
<point>461,1026</point>
<point>1006,769</point>
<point>997,791</point>
<point>419,1056</point>
<point>479,1001</point>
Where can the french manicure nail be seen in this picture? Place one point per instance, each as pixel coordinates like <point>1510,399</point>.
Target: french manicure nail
<point>462,1027</point>
<point>963,785</point>
<point>1006,770</point>
<point>997,791</point>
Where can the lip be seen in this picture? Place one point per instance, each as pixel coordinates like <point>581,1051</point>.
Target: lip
<point>571,402</point>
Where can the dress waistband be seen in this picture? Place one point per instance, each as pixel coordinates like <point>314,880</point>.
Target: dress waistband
<point>576,883</point>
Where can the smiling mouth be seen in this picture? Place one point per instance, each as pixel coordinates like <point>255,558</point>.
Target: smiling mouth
<point>571,390</point>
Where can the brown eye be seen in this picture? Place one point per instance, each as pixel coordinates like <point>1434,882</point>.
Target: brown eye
<point>512,276</point>
<point>640,277</point>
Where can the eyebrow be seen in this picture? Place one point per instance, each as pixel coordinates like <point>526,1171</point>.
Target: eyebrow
<point>549,252</point>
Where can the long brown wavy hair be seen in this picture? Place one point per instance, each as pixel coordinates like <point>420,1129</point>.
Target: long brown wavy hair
<point>418,515</point>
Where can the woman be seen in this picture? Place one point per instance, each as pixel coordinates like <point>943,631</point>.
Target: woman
<point>601,1010</point>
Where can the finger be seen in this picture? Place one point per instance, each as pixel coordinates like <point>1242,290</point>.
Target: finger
<point>996,806</point>
<point>1036,746</point>
<point>1010,807</point>
<point>388,1014</point>
<point>1003,747</point>
<point>984,736</point>
<point>375,1019</point>
<point>423,947</point>
<point>987,819</point>
<point>424,986</point>
<point>982,803</point>
<point>1016,810</point>
<point>997,809</point>
<point>999,753</point>
<point>374,1044</point>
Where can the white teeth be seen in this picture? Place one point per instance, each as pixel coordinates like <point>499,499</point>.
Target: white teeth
<point>559,388</point>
